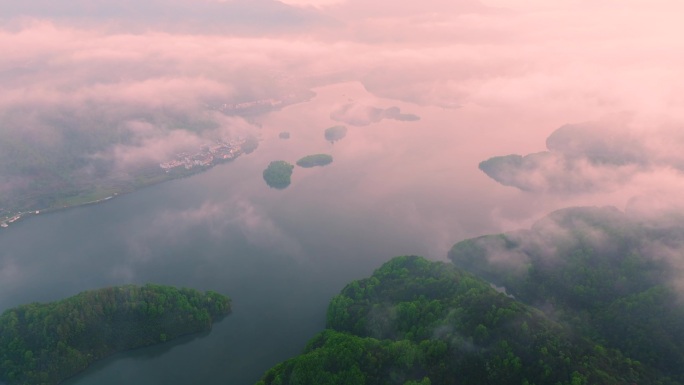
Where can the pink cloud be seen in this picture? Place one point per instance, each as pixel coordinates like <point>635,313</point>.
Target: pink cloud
<point>489,78</point>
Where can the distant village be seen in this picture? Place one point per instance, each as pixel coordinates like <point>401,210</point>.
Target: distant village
<point>7,220</point>
<point>239,107</point>
<point>260,105</point>
<point>208,154</point>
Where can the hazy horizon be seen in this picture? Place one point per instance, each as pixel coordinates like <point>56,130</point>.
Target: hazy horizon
<point>510,72</point>
<point>464,118</point>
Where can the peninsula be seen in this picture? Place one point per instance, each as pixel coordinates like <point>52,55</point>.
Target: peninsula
<point>85,192</point>
<point>46,343</point>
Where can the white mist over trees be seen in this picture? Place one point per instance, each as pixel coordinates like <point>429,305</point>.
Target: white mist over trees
<point>561,104</point>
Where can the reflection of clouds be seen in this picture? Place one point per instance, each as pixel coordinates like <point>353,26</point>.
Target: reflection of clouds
<point>260,230</point>
<point>11,275</point>
<point>10,272</point>
<point>171,228</point>
<point>210,221</point>
<point>211,216</point>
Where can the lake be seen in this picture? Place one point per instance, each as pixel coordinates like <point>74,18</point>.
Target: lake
<point>394,188</point>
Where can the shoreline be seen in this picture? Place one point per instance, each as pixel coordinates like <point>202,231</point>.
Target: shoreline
<point>7,221</point>
<point>168,175</point>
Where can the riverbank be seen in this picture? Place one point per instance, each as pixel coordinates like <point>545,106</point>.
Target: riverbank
<point>98,194</point>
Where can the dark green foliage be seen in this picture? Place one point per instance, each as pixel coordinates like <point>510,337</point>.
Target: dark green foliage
<point>335,133</point>
<point>278,173</point>
<point>605,274</point>
<point>315,160</point>
<point>47,343</point>
<point>420,322</point>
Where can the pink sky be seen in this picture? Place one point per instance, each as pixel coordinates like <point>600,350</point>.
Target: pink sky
<point>504,74</point>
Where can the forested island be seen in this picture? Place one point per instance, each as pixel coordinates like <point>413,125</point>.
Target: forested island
<point>335,133</point>
<point>315,160</point>
<point>278,173</point>
<point>46,343</point>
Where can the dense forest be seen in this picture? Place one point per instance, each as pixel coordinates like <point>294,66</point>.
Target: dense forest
<point>315,160</point>
<point>415,322</point>
<point>278,173</point>
<point>47,343</point>
<point>610,276</point>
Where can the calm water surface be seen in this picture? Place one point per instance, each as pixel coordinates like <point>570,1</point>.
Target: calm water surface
<point>193,233</point>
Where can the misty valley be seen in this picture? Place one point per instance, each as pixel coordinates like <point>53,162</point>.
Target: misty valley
<point>341,192</point>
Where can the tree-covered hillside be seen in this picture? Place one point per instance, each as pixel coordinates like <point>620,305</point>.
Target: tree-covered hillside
<point>612,277</point>
<point>419,322</point>
<point>47,343</point>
